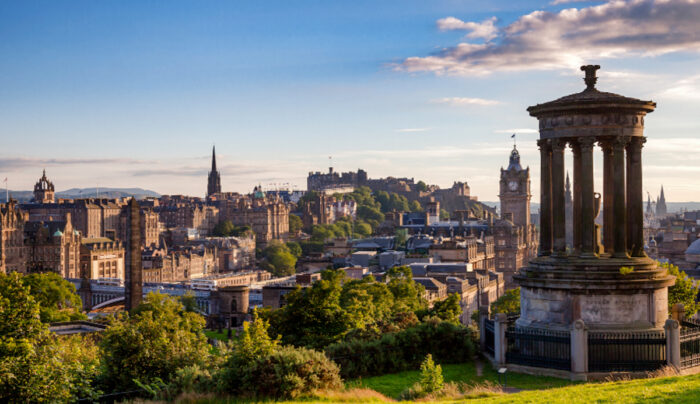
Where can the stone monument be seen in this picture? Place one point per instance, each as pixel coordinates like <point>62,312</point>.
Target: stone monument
<point>133,277</point>
<point>610,284</point>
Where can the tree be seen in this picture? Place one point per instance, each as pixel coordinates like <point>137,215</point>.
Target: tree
<point>444,215</point>
<point>255,341</point>
<point>279,259</point>
<point>448,309</point>
<point>294,248</point>
<point>34,365</point>
<point>362,229</point>
<point>684,291</point>
<point>56,297</point>
<point>430,375</point>
<point>295,224</point>
<point>223,229</point>
<point>408,295</point>
<point>421,186</point>
<point>509,303</point>
<point>415,206</point>
<point>159,338</point>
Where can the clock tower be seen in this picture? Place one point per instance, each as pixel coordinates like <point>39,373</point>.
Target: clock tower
<point>515,191</point>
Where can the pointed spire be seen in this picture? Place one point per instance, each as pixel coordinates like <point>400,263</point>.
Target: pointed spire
<point>662,197</point>
<point>213,158</point>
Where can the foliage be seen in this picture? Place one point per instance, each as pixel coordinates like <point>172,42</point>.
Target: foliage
<point>430,375</point>
<point>279,259</point>
<point>34,365</point>
<point>295,224</point>
<point>294,248</point>
<point>255,342</point>
<point>392,202</point>
<point>334,308</point>
<point>309,247</point>
<point>421,186</point>
<point>288,372</point>
<point>684,291</point>
<point>56,297</point>
<point>448,309</point>
<point>415,206</point>
<point>189,302</point>
<point>227,229</point>
<point>509,303</point>
<point>626,270</point>
<point>393,352</point>
<point>156,340</point>
<point>444,215</point>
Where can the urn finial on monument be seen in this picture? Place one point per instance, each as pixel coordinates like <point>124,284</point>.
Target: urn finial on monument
<point>590,78</point>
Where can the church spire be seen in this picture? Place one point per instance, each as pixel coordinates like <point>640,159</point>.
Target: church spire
<point>213,158</point>
<point>214,183</point>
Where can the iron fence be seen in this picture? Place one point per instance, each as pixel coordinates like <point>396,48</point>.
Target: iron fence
<point>539,348</point>
<point>690,343</point>
<point>489,336</point>
<point>626,352</point>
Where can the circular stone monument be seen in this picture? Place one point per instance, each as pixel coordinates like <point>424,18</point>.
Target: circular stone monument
<point>605,278</point>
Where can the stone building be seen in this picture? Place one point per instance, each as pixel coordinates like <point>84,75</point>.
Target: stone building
<point>267,216</point>
<point>52,246</point>
<point>515,236</point>
<point>44,190</point>
<point>102,258</point>
<point>91,217</point>
<point>232,253</point>
<point>185,263</point>
<point>214,180</point>
<point>320,182</point>
<point>661,209</point>
<point>13,254</point>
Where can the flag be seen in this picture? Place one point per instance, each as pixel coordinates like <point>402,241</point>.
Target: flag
<point>512,136</point>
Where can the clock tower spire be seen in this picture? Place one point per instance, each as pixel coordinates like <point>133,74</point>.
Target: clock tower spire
<point>515,191</point>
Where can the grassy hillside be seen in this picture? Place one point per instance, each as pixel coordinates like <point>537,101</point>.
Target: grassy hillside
<point>676,389</point>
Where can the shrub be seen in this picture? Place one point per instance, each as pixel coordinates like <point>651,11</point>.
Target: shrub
<point>394,352</point>
<point>286,373</point>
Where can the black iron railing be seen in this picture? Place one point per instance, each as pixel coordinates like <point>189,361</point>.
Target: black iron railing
<point>489,336</point>
<point>690,343</point>
<point>626,352</point>
<point>539,348</point>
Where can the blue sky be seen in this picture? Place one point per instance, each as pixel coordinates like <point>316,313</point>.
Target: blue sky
<point>122,93</point>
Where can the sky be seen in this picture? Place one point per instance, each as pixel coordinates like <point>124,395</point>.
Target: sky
<point>136,93</point>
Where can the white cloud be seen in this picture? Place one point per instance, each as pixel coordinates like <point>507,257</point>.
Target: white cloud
<point>410,130</point>
<point>465,101</point>
<point>485,29</point>
<point>685,89</point>
<point>557,2</point>
<point>568,38</point>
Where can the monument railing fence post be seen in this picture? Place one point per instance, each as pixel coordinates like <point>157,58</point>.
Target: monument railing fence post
<point>579,350</point>
<point>673,343</point>
<point>483,316</point>
<point>500,344</point>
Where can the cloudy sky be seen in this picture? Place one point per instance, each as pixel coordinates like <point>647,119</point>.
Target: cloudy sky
<point>118,94</point>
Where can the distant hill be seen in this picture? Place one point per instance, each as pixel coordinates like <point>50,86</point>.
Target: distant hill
<point>673,207</point>
<point>75,193</point>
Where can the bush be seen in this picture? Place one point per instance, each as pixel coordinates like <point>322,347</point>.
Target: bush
<point>394,352</point>
<point>286,373</point>
<point>430,381</point>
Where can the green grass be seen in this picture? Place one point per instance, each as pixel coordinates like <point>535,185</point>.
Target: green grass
<point>222,336</point>
<point>676,389</point>
<point>392,385</point>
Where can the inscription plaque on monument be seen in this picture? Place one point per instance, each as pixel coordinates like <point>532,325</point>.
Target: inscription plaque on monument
<point>614,308</point>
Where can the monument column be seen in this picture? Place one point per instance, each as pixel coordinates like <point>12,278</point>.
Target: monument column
<point>635,198</point>
<point>576,149</point>
<point>608,225</point>
<point>587,198</point>
<point>558,198</point>
<point>619,194</point>
<point>545,197</point>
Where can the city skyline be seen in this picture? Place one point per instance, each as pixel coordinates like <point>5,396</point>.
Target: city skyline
<point>135,95</point>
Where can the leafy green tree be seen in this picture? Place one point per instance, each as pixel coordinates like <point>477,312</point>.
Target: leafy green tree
<point>444,215</point>
<point>295,224</point>
<point>159,338</point>
<point>189,302</point>
<point>415,206</point>
<point>448,309</point>
<point>56,297</point>
<point>684,291</point>
<point>279,259</point>
<point>370,215</point>
<point>421,186</point>
<point>255,341</point>
<point>430,379</point>
<point>398,203</point>
<point>294,248</point>
<point>362,229</point>
<point>320,233</point>
<point>223,229</point>
<point>509,303</point>
<point>408,295</point>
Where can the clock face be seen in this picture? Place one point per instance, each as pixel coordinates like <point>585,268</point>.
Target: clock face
<point>513,185</point>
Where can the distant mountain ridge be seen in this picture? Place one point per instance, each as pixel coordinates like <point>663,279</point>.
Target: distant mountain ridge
<point>75,193</point>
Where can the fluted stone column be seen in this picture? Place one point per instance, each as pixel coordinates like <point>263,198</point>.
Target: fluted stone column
<point>545,197</point>
<point>608,186</point>
<point>635,198</point>
<point>576,149</point>
<point>587,198</point>
<point>558,198</point>
<point>619,194</point>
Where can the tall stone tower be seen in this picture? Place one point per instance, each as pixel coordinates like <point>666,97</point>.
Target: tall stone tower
<point>661,204</point>
<point>44,190</point>
<point>515,191</point>
<point>214,183</point>
<point>133,283</point>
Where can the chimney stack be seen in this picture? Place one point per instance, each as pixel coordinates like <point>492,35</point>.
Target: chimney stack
<point>133,285</point>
